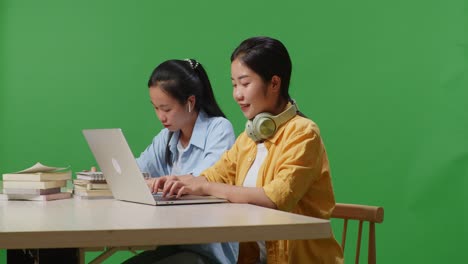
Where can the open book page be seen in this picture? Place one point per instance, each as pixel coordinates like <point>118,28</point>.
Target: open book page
<point>38,167</point>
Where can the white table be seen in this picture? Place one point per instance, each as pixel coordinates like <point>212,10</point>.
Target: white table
<point>74,223</point>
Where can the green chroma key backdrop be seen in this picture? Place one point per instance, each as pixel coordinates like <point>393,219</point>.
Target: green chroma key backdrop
<point>386,81</point>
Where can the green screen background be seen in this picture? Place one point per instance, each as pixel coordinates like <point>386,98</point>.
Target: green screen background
<point>385,80</point>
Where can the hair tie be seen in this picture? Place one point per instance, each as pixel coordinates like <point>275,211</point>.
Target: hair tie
<point>192,64</point>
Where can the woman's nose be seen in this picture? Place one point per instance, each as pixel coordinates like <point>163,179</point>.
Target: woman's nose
<point>161,116</point>
<point>237,94</point>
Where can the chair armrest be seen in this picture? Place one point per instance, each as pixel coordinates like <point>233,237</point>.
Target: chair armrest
<point>358,212</point>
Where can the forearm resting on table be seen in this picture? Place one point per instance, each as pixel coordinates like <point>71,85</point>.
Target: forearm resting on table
<point>238,194</point>
<point>186,177</point>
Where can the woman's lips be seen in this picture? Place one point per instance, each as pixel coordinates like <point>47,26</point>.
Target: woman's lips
<point>244,107</point>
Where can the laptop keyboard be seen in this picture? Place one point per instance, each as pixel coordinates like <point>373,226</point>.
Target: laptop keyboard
<point>158,197</point>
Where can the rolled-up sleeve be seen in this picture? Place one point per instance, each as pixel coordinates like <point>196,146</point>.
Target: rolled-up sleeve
<point>297,167</point>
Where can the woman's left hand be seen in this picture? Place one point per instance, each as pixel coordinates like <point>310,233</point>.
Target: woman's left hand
<point>194,186</point>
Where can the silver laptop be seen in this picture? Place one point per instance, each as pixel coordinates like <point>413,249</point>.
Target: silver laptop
<point>122,173</point>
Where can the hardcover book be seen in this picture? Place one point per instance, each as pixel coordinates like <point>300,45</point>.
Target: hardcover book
<point>81,184</point>
<point>90,176</point>
<point>35,197</point>
<point>31,191</point>
<point>37,176</point>
<point>84,192</point>
<point>33,185</point>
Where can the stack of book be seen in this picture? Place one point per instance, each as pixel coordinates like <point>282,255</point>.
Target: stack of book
<point>91,185</point>
<point>37,183</point>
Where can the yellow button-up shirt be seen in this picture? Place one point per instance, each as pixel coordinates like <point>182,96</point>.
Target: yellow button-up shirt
<point>296,177</point>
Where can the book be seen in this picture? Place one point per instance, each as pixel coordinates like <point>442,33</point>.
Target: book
<point>90,185</point>
<point>85,192</point>
<point>39,167</point>
<point>39,172</point>
<point>38,176</point>
<point>78,197</point>
<point>33,185</point>
<point>82,181</point>
<point>90,175</point>
<point>36,197</point>
<point>31,191</point>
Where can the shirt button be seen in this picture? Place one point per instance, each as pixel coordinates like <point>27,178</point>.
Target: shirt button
<point>249,159</point>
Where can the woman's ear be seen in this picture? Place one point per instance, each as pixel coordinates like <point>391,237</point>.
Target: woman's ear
<point>191,103</point>
<point>275,83</point>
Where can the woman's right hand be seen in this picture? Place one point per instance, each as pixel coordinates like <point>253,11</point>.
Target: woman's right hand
<point>92,169</point>
<point>157,183</point>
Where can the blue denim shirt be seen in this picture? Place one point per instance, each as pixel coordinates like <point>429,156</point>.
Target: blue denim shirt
<point>211,137</point>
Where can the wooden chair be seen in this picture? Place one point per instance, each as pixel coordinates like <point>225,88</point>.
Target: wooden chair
<point>362,213</point>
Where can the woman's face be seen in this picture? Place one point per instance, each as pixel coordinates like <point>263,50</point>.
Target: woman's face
<point>250,91</point>
<point>173,115</point>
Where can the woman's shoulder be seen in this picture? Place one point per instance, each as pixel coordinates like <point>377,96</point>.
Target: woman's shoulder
<point>300,123</point>
<point>162,135</point>
<point>213,125</point>
<point>218,121</point>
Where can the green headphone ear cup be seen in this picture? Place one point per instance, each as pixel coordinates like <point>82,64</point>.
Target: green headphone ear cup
<point>261,127</point>
<point>265,127</point>
<point>250,131</point>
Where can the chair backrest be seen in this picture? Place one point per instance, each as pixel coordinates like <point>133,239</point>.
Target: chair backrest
<point>361,213</point>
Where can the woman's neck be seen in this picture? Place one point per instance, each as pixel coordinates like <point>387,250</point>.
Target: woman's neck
<point>187,131</point>
<point>280,106</point>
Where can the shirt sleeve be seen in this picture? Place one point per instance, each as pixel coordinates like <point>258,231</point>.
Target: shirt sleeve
<point>224,170</point>
<point>152,159</point>
<point>297,168</point>
<point>219,138</point>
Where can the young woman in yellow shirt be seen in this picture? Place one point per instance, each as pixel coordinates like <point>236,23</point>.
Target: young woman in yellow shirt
<point>279,161</point>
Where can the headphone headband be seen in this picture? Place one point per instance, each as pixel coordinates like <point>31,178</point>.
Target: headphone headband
<point>265,125</point>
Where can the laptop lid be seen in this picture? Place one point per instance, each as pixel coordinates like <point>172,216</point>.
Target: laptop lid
<point>114,157</point>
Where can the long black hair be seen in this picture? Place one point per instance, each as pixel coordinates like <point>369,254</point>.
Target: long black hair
<point>267,57</point>
<point>182,79</point>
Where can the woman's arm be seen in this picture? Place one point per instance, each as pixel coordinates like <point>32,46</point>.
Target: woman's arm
<point>239,194</point>
<point>235,194</point>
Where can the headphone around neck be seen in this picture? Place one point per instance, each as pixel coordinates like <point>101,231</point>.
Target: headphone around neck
<point>265,125</point>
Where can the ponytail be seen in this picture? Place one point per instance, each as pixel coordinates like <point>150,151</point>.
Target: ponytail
<point>206,101</point>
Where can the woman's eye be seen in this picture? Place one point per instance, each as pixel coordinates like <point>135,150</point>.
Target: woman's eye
<point>163,110</point>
